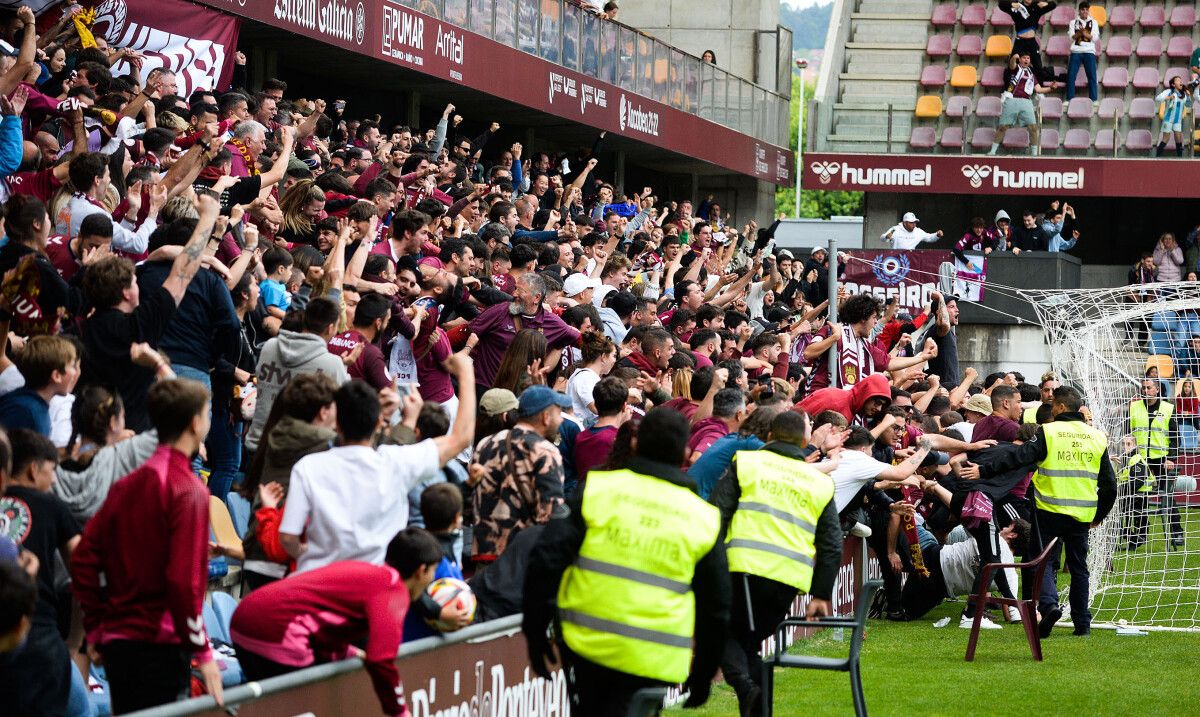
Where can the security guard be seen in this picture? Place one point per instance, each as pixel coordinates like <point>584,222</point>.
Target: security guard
<point>1152,423</point>
<point>783,536</point>
<point>1134,485</point>
<point>1074,490</point>
<point>634,579</point>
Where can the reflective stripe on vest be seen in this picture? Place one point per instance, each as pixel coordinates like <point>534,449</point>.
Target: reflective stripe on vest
<point>773,532</point>
<point>1151,432</point>
<point>1066,480</point>
<point>626,603</point>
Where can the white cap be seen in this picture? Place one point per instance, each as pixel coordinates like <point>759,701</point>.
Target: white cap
<point>909,217</point>
<point>578,283</point>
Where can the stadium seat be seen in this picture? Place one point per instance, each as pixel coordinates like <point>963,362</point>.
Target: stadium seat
<point>922,138</point>
<point>1142,108</point>
<point>933,76</point>
<point>1179,46</point>
<point>1173,72</point>
<point>1000,46</point>
<point>988,107</point>
<point>1122,16</point>
<point>1049,140</point>
<point>1052,107</point>
<point>963,76</point>
<point>1111,107</point>
<point>221,523</point>
<point>973,16</point>
<point>239,511</point>
<point>223,605</point>
<point>1167,321</point>
<point>1106,140</point>
<point>929,107</point>
<point>1079,108</point>
<point>1026,608</point>
<point>982,138</point>
<point>1145,78</point>
<point>952,138</point>
<point>1189,437</point>
<point>1062,15</point>
<point>1077,139</point>
<point>993,77</point>
<point>1000,19</point>
<point>1150,46</point>
<point>939,46</point>
<point>969,46</point>
<point>1153,16</point>
<point>1138,140</point>
<point>1183,16</point>
<point>1100,15</point>
<point>945,15</point>
<point>857,626</point>
<point>1114,78</point>
<point>1119,47</point>
<point>1016,138</point>
<point>1160,360</point>
<point>1058,46</point>
<point>958,106</point>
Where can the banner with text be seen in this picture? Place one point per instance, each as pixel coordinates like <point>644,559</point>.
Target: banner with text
<point>907,276</point>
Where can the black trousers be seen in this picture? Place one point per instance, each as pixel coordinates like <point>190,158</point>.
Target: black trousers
<point>1073,536</point>
<point>759,605</point>
<point>1164,486</point>
<point>35,679</point>
<point>1134,525</point>
<point>255,667</point>
<point>598,691</point>
<point>145,674</point>
<point>1021,45</point>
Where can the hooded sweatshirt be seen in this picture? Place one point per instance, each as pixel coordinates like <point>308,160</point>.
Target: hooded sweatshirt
<point>284,357</point>
<point>848,402</point>
<point>84,490</point>
<point>999,239</point>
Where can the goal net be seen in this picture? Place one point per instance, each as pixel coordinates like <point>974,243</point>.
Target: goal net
<point>1144,559</point>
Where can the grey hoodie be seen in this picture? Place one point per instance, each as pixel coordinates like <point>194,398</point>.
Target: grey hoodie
<point>84,491</point>
<point>284,357</point>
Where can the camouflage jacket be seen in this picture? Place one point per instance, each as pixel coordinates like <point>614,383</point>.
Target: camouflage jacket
<point>517,481</point>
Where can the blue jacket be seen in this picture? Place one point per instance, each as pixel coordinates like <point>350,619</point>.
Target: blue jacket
<point>205,325</point>
<point>11,144</point>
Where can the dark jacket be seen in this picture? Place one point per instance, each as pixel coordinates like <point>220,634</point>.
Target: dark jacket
<point>828,539</point>
<point>560,545</point>
<point>205,326</point>
<point>500,586</point>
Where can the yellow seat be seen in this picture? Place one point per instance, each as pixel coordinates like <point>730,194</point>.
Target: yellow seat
<point>929,107</point>
<point>221,523</point>
<point>1100,15</point>
<point>1164,364</point>
<point>999,46</point>
<point>964,76</point>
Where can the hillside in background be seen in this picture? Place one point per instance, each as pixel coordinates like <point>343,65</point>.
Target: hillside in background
<point>808,25</point>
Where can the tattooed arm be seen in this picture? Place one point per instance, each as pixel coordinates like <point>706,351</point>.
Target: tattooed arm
<point>189,261</point>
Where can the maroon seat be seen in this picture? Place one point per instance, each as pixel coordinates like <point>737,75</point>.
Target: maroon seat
<point>1077,139</point>
<point>1142,108</point>
<point>1026,608</point>
<point>944,15</point>
<point>973,16</point>
<point>1179,46</point>
<point>1000,19</point>
<point>1183,16</point>
<point>1145,78</point>
<point>1058,46</point>
<point>1111,107</point>
<point>1052,107</point>
<point>1062,15</point>
<point>1049,139</point>
<point>1138,140</point>
<point>1174,72</point>
<point>1016,138</point>
<point>1122,16</point>
<point>939,46</point>
<point>1119,47</point>
<point>933,76</point>
<point>969,46</point>
<point>988,107</point>
<point>1106,140</point>
<point>922,138</point>
<point>958,106</point>
<point>1079,108</point>
<point>993,77</point>
<point>1114,78</point>
<point>1152,16</point>
<point>952,138</point>
<point>1149,46</point>
<point>983,137</point>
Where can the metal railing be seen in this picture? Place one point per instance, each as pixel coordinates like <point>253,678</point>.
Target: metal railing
<point>563,33</point>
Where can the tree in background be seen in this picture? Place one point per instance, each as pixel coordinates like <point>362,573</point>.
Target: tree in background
<point>814,204</point>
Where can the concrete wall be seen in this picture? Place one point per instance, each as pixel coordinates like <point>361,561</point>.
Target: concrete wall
<point>727,27</point>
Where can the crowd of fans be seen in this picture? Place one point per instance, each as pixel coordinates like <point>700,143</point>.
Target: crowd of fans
<point>408,348</point>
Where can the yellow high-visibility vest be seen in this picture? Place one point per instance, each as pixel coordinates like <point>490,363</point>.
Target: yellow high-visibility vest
<point>1066,479</point>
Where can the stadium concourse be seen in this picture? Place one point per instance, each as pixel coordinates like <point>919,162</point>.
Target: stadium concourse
<point>291,388</point>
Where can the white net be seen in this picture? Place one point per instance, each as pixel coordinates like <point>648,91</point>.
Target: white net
<point>1145,558</point>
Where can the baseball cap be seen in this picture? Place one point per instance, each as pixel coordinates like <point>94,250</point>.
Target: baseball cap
<point>910,217</point>
<point>785,254</point>
<point>979,403</point>
<point>815,249</point>
<point>497,400</point>
<point>579,283</point>
<point>936,458</point>
<point>536,399</point>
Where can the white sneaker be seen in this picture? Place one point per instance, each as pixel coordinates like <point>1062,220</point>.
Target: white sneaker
<point>986,623</point>
<point>861,530</point>
<point>1014,615</point>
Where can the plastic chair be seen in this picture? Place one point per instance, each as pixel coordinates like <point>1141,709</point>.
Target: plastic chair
<point>1000,19</point>
<point>1142,108</point>
<point>952,138</point>
<point>1077,139</point>
<point>1111,107</point>
<point>999,46</point>
<point>933,76</point>
<point>849,664</point>
<point>945,15</point>
<point>1099,14</point>
<point>969,46</point>
<point>1122,16</point>
<point>221,523</point>
<point>1183,16</point>
<point>1052,107</point>
<point>1016,138</point>
<point>988,107</point>
<point>974,16</point>
<point>1062,15</point>
<point>982,138</point>
<point>1153,16</point>
<point>239,511</point>
<point>1119,47</point>
<point>1138,140</point>
<point>964,76</point>
<point>993,77</point>
<point>958,106</point>
<point>922,138</point>
<point>1145,78</point>
<point>939,46</point>
<point>1026,608</point>
<point>1179,46</point>
<point>1058,46</point>
<point>1149,47</point>
<point>1163,362</point>
<point>1049,140</point>
<point>1079,108</point>
<point>1114,78</point>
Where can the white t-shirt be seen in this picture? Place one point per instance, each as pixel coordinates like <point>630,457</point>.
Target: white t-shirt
<point>754,298</point>
<point>580,388</point>
<point>960,562</point>
<point>1074,27</point>
<point>966,428</point>
<point>11,379</point>
<point>855,469</point>
<point>351,501</point>
<point>904,240</point>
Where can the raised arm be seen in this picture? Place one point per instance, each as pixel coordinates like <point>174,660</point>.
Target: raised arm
<point>25,60</point>
<point>184,269</point>
<point>462,433</point>
<point>278,169</point>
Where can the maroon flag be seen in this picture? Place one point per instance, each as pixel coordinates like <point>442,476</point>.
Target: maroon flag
<point>195,42</point>
<point>907,276</point>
